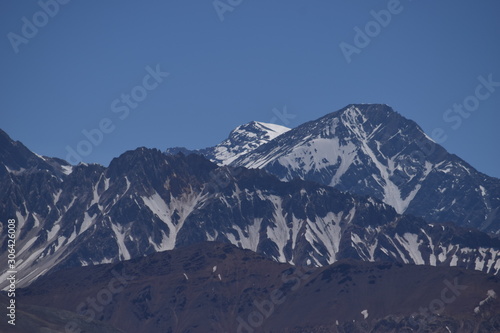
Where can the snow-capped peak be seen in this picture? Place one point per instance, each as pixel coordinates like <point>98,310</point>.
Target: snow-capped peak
<point>268,130</point>
<point>373,150</point>
<point>244,139</point>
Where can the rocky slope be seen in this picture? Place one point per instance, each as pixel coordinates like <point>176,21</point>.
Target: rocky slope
<point>369,149</point>
<point>211,287</point>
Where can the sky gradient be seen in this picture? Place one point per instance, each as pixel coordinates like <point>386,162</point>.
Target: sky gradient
<point>80,66</point>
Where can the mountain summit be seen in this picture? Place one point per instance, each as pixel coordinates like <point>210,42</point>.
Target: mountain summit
<point>369,149</point>
<point>243,139</point>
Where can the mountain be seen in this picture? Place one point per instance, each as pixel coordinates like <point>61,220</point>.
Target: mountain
<point>147,202</point>
<point>214,287</point>
<point>369,149</point>
<point>241,140</point>
<point>16,158</point>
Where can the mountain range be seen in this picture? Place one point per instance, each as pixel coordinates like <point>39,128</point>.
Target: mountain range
<point>147,201</point>
<point>369,149</point>
<point>356,188</point>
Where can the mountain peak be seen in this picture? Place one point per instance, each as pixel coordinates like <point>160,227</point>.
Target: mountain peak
<point>368,110</point>
<point>369,106</point>
<point>242,140</point>
<point>272,130</point>
<point>370,149</point>
<point>256,130</point>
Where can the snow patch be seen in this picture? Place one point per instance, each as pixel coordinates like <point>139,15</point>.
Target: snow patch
<point>53,232</point>
<point>86,223</point>
<point>365,314</point>
<point>226,152</point>
<point>411,243</point>
<point>120,240</point>
<point>57,196</point>
<point>67,169</point>
<point>27,245</point>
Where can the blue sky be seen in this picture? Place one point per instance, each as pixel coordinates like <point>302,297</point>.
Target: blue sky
<point>75,71</point>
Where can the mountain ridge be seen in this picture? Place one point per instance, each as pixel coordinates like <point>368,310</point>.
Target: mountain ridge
<point>241,140</point>
<point>375,161</point>
<point>146,201</point>
<point>378,152</point>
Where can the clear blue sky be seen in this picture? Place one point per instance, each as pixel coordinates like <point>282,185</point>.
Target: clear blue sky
<point>263,55</point>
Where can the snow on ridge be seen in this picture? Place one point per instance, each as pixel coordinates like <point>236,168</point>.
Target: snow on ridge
<point>230,149</point>
<point>392,192</point>
<point>273,130</point>
<point>411,244</point>
<point>67,169</point>
<point>86,223</point>
<point>249,237</point>
<point>120,241</point>
<point>40,156</point>
<point>183,206</point>
<point>325,150</point>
